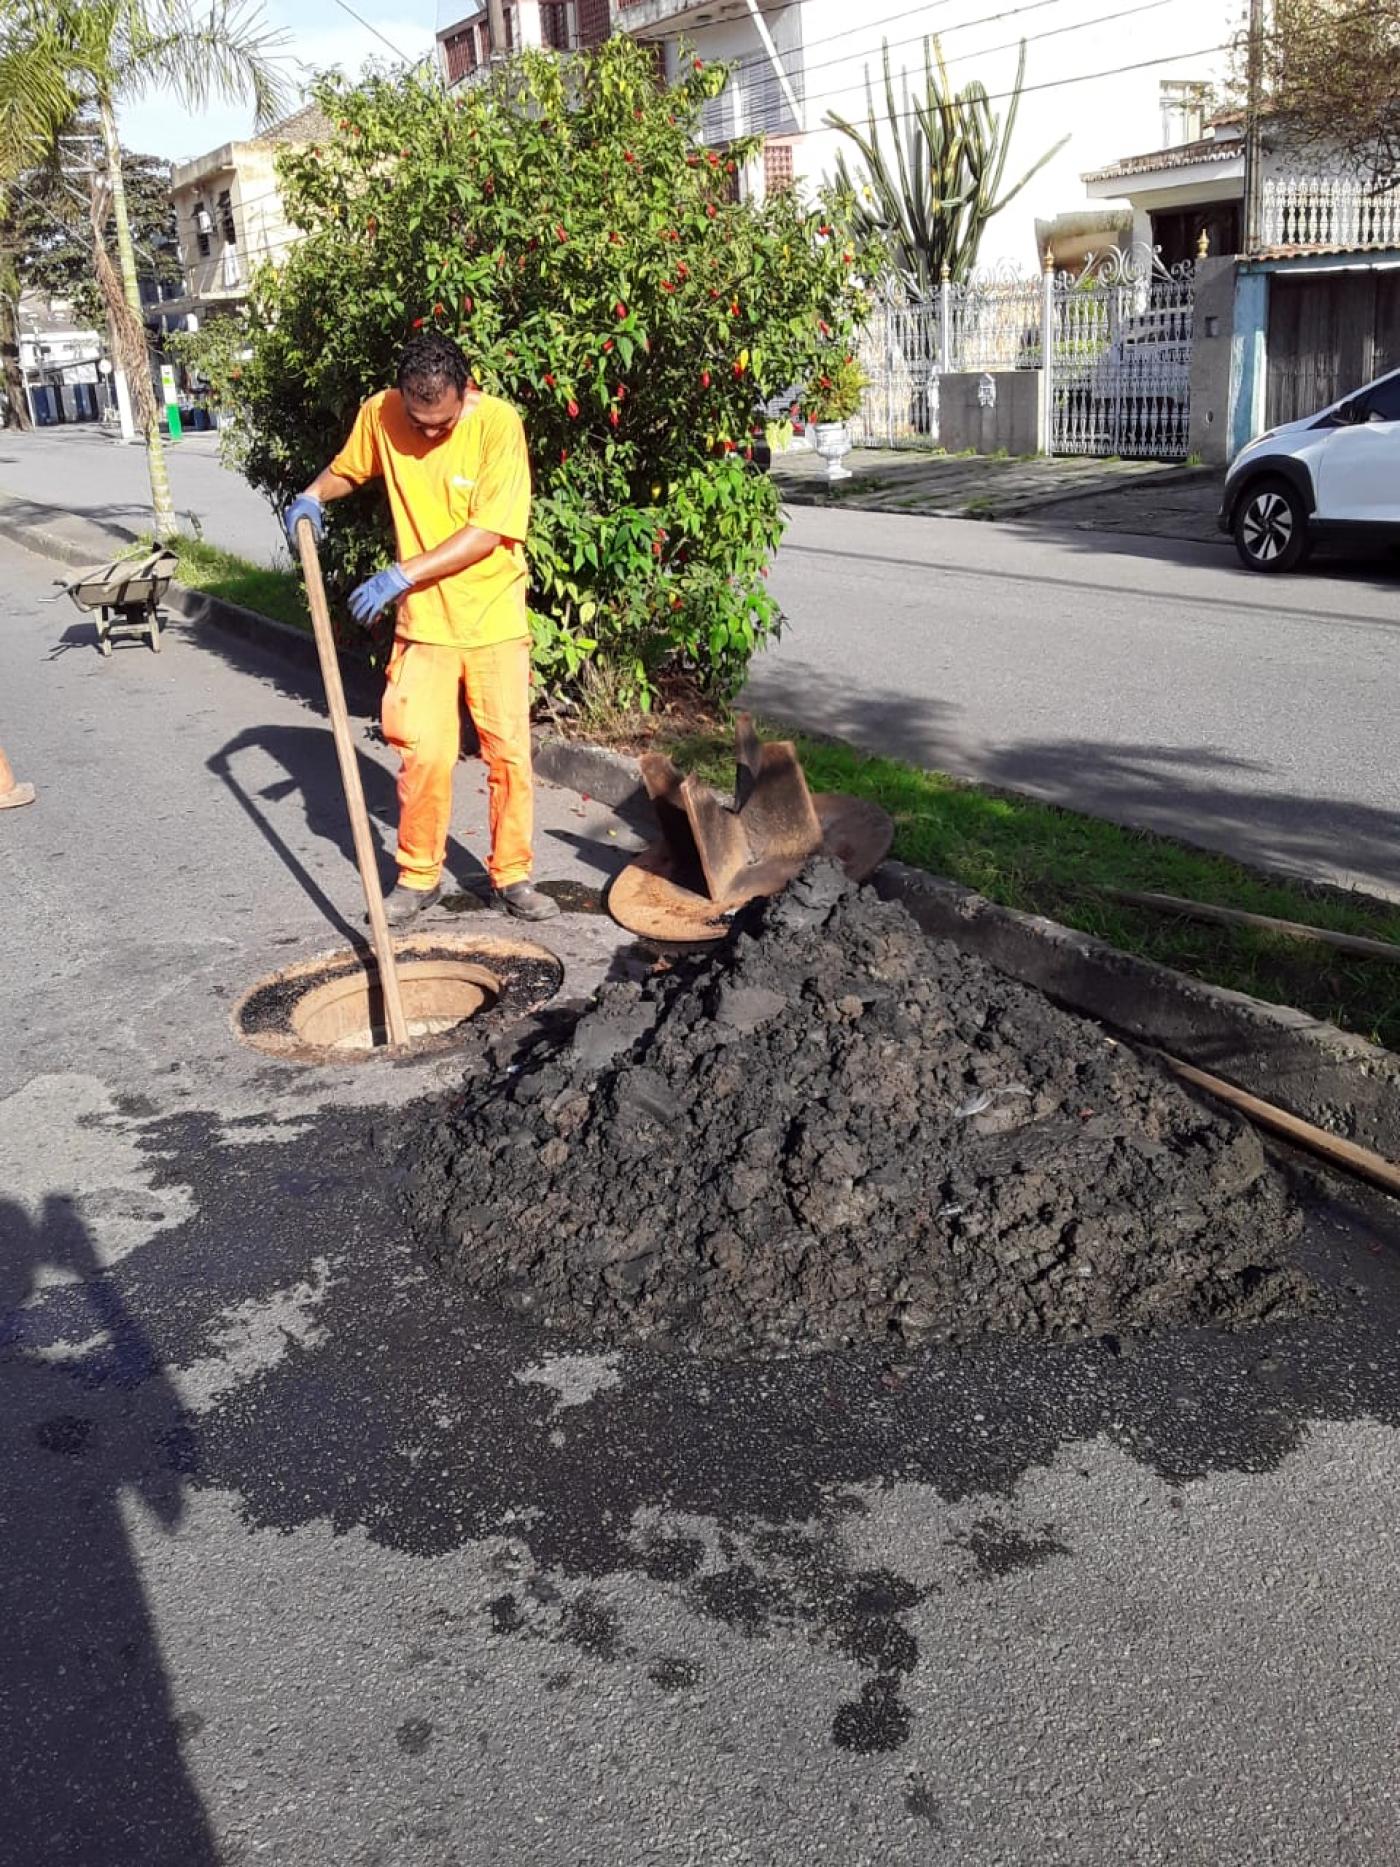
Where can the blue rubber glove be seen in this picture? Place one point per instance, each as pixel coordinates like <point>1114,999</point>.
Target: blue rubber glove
<point>376,593</point>
<point>304,506</point>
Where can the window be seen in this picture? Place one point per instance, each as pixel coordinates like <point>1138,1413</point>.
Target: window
<point>554,24</point>
<point>1185,102</point>
<point>459,51</point>
<point>203,227</point>
<point>1383,402</point>
<point>226,226</point>
<point>777,167</point>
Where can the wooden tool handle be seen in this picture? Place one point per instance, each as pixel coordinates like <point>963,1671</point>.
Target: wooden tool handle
<point>350,778</point>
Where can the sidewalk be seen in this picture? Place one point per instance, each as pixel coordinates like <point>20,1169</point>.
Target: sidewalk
<point>1099,495</point>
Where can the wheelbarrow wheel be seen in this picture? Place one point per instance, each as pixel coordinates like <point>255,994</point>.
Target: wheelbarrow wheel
<point>154,635</point>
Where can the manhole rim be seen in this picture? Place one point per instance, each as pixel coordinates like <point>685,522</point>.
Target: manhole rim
<point>494,954</point>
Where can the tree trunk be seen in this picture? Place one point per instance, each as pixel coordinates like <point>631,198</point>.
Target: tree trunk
<point>16,401</point>
<point>162,504</point>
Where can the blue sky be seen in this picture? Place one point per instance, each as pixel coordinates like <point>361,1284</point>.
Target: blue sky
<point>319,33</point>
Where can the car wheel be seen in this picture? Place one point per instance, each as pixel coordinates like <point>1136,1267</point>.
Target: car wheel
<point>1271,527</point>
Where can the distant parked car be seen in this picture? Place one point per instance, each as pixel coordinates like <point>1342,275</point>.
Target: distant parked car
<point>1334,475</point>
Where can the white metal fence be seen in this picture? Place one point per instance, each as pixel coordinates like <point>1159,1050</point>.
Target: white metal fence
<point>1325,210</point>
<point>1115,342</point>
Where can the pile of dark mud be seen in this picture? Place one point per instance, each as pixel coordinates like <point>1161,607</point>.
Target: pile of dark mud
<point>834,1130</point>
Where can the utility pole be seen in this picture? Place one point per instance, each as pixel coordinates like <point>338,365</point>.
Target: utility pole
<point>496,27</point>
<point>1253,127</point>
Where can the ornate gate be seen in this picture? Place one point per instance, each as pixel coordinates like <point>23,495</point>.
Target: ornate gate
<point>1121,359</point>
<point>1115,341</point>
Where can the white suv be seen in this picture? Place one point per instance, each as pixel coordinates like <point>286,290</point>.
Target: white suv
<point>1334,475</point>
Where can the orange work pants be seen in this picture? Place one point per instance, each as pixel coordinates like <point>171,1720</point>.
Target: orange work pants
<point>422,718</point>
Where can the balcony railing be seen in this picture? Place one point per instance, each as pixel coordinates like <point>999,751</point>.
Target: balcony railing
<point>1327,211</point>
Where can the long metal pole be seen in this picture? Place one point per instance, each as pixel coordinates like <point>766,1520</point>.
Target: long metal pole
<point>1253,125</point>
<point>350,778</point>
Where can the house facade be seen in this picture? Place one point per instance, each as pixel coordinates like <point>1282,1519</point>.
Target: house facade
<point>229,214</point>
<point>797,61</point>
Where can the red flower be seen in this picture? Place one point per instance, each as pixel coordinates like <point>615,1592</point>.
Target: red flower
<point>563,455</point>
<point>734,309</point>
<point>712,159</point>
<point>614,417</point>
<point>709,215</point>
<point>627,156</point>
<point>823,230</point>
<point>549,379</point>
<point>824,382</point>
<point>418,323</point>
<point>620,393</point>
<point>573,411</point>
<point>656,551</point>
<point>682,271</point>
<point>729,447</point>
<point>615,239</point>
<point>738,367</point>
<point>667,286</point>
<point>704,379</point>
<point>437,311</point>
<point>714,292</point>
<point>729,168</point>
<point>608,344</point>
<point>847,259</point>
<point>404,154</point>
<point>468,302</point>
<point>699,64</point>
<point>561,233</point>
<point>675,602</point>
<point>823,327</point>
<point>748,453</point>
<point>620,309</point>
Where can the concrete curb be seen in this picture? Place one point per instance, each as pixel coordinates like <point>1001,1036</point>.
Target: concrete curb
<point>1326,1075</point>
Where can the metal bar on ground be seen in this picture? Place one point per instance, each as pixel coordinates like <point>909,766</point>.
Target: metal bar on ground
<point>394,1017</point>
<point>1330,1147</point>
<point>1265,923</point>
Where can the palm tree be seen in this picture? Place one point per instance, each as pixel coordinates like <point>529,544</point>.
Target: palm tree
<point>60,59</point>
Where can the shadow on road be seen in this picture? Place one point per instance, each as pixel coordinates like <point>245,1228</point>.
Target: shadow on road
<point>307,756</point>
<point>1196,794</point>
<point>88,1732</point>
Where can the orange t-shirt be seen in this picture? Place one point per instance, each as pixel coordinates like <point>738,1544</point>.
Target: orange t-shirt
<point>479,474</point>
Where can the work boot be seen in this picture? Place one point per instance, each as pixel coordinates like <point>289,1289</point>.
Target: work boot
<point>525,902</point>
<point>402,905</point>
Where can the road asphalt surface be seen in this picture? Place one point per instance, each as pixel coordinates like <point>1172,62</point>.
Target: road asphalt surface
<point>1154,682</point>
<point>310,1561</point>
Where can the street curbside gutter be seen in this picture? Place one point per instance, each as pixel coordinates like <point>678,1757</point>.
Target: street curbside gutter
<point>1312,1068</point>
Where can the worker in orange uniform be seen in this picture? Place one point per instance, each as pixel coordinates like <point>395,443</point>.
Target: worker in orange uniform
<point>454,464</point>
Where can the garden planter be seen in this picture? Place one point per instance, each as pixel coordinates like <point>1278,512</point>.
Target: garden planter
<point>833,443</point>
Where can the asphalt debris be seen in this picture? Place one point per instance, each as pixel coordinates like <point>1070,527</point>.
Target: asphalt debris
<point>834,1130</point>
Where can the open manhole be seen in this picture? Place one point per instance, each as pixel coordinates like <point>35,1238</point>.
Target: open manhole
<point>329,1009</point>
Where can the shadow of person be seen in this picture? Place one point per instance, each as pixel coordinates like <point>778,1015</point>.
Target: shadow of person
<point>307,755</point>
<point>91,1751</point>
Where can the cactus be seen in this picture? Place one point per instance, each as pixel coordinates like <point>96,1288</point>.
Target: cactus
<point>931,209</point>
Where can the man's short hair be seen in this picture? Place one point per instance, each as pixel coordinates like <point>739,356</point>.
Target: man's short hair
<point>431,363</point>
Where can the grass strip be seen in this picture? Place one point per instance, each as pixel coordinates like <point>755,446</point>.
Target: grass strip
<point>1045,860</point>
<point>275,593</point>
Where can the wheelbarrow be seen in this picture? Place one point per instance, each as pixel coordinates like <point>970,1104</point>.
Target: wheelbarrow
<point>124,597</point>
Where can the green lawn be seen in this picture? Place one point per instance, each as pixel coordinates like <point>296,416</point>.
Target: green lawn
<point>1048,861</point>
<point>276,593</point>
<point>1029,855</point>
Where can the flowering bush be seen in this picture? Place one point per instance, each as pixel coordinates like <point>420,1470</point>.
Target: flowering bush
<point>565,225</point>
<point>833,394</point>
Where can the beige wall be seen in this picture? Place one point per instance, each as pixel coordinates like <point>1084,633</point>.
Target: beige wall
<point>248,172</point>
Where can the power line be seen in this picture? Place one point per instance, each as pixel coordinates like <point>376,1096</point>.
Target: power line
<point>399,54</point>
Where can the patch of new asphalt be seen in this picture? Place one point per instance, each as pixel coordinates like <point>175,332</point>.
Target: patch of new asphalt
<point>310,1560</point>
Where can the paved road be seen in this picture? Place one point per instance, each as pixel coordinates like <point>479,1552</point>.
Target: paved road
<point>1148,681</point>
<point>83,471</point>
<point>309,1561</point>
